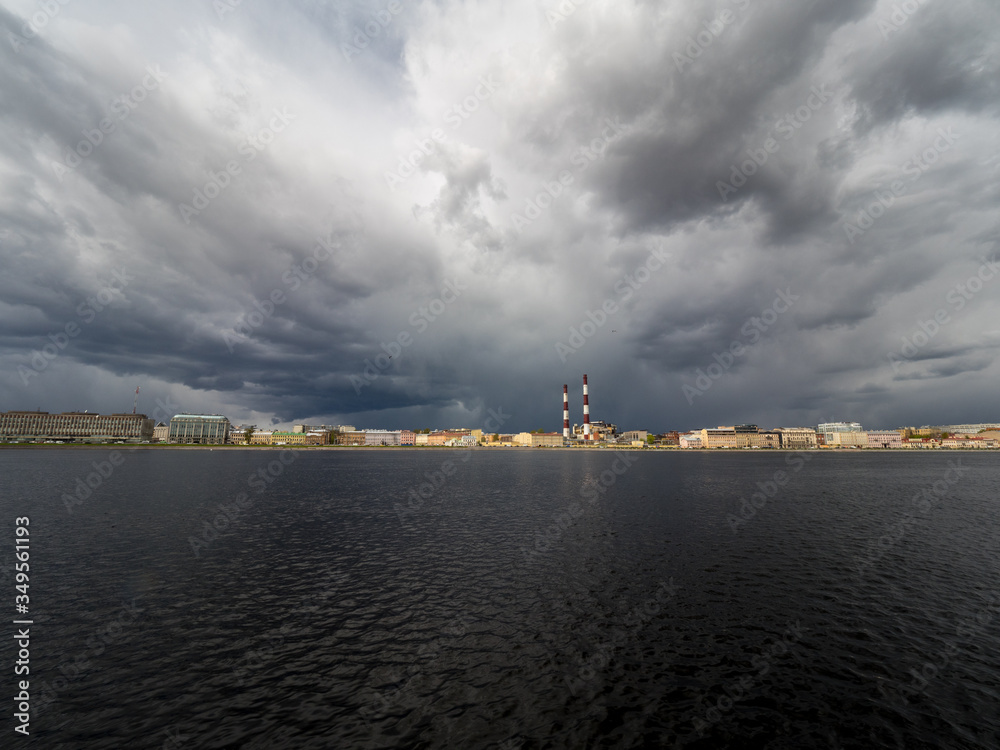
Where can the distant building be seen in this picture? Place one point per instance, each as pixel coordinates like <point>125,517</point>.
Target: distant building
<point>350,437</point>
<point>75,426</point>
<point>797,438</point>
<point>381,437</point>
<point>669,438</point>
<point>600,430</point>
<point>538,439</point>
<point>287,438</point>
<point>827,429</point>
<point>740,436</point>
<point>966,429</point>
<point>407,437</point>
<point>161,433</point>
<point>690,440</point>
<point>847,439</point>
<point>201,429</point>
<point>633,436</point>
<point>884,439</point>
<point>970,441</point>
<point>447,438</point>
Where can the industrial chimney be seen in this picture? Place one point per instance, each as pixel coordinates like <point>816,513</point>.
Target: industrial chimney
<point>565,412</point>
<point>586,410</point>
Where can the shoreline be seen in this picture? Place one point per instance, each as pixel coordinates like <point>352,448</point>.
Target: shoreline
<point>612,448</point>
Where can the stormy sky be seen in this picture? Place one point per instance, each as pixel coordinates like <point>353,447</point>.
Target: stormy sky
<point>724,212</point>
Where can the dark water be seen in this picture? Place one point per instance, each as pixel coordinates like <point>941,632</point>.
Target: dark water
<point>509,611</point>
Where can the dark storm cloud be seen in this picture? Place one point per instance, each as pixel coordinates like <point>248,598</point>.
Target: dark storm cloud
<point>747,138</point>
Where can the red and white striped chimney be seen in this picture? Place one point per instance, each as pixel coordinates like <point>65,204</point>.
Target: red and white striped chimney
<point>586,410</point>
<point>566,412</point>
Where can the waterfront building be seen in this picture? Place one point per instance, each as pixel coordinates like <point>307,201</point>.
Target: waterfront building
<point>381,437</point>
<point>847,439</point>
<point>827,429</point>
<point>797,438</point>
<point>966,429</point>
<point>969,442</point>
<point>691,440</point>
<point>261,437</point>
<point>287,438</point>
<point>740,436</point>
<point>447,438</point>
<point>202,429</point>
<point>884,439</point>
<point>923,443</point>
<point>421,438</point>
<point>634,436</point>
<point>407,437</point>
<point>350,437</point>
<point>161,433</point>
<point>599,430</point>
<point>75,426</point>
<point>538,439</point>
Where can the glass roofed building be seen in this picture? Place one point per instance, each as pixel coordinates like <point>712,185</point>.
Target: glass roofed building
<point>199,428</point>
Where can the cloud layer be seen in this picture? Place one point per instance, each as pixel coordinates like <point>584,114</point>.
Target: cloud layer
<point>733,211</point>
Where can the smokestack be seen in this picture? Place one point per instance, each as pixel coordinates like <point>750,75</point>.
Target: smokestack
<point>586,410</point>
<point>565,412</point>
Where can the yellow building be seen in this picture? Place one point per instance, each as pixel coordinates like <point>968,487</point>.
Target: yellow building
<point>538,439</point>
<point>847,439</point>
<point>740,436</point>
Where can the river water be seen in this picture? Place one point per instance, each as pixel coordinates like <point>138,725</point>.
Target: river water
<point>508,598</point>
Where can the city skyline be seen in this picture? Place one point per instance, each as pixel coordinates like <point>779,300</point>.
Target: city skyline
<point>389,214</point>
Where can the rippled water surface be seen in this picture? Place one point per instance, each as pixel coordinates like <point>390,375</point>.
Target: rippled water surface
<point>531,599</point>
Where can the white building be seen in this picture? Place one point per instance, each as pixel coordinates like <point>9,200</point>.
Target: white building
<point>381,437</point>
